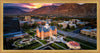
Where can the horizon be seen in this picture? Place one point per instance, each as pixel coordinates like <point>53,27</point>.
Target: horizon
<point>28,7</point>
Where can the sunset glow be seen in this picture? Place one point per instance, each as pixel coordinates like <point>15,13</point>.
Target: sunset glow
<point>34,6</point>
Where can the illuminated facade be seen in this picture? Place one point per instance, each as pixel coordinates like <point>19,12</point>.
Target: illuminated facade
<point>46,31</point>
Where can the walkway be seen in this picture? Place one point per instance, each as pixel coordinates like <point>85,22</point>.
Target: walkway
<point>47,47</point>
<point>40,42</point>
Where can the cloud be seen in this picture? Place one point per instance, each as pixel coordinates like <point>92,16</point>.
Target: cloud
<point>81,3</point>
<point>29,6</point>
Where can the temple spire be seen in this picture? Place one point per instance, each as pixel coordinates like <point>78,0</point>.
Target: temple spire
<point>42,28</point>
<point>37,27</point>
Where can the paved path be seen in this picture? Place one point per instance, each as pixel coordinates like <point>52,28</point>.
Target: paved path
<point>40,42</point>
<point>47,47</point>
<point>41,46</point>
<point>77,36</point>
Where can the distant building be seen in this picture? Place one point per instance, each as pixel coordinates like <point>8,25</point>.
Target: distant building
<point>81,23</point>
<point>27,18</point>
<point>91,32</point>
<point>71,25</point>
<point>12,28</point>
<point>66,23</point>
<point>74,21</point>
<point>11,25</point>
<point>49,20</point>
<point>46,31</point>
<point>30,21</point>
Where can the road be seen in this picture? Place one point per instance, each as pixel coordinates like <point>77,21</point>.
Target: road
<point>78,36</point>
<point>78,30</point>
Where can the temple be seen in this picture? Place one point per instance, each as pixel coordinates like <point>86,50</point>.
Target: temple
<point>46,31</point>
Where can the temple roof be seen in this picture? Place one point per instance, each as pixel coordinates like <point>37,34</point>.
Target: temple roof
<point>46,30</point>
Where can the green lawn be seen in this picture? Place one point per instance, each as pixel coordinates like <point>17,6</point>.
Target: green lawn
<point>56,47</point>
<point>63,45</point>
<point>43,41</point>
<point>31,46</point>
<point>34,46</point>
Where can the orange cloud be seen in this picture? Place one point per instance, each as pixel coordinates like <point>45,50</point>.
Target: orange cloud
<point>37,5</point>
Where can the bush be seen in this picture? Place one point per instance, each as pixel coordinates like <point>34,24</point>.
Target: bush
<point>73,28</point>
<point>25,26</point>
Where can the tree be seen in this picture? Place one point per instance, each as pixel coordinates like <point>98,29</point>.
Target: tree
<point>25,26</point>
<point>65,29</point>
<point>68,27</point>
<point>59,26</point>
<point>33,34</point>
<point>35,25</point>
<point>53,23</point>
<point>80,26</point>
<point>73,27</point>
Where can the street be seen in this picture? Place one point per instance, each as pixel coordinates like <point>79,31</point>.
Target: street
<point>74,35</point>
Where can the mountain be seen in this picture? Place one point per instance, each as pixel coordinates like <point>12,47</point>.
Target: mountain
<point>44,10</point>
<point>12,11</point>
<point>69,10</point>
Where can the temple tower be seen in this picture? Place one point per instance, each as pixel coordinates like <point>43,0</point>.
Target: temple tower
<point>42,34</point>
<point>55,30</point>
<point>50,34</point>
<point>37,32</point>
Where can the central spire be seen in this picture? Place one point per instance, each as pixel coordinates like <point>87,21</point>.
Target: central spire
<point>47,23</point>
<point>47,20</point>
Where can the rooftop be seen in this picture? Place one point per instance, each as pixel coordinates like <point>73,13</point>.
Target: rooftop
<point>73,43</point>
<point>46,30</point>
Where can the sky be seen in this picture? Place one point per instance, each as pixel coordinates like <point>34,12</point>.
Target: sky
<point>31,6</point>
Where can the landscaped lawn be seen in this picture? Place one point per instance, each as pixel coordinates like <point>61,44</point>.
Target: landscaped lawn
<point>63,45</point>
<point>31,46</point>
<point>56,47</point>
<point>34,46</point>
<point>43,41</point>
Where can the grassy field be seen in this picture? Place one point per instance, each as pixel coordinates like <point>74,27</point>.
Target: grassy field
<point>63,45</point>
<point>31,47</point>
<point>43,41</point>
<point>56,47</point>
